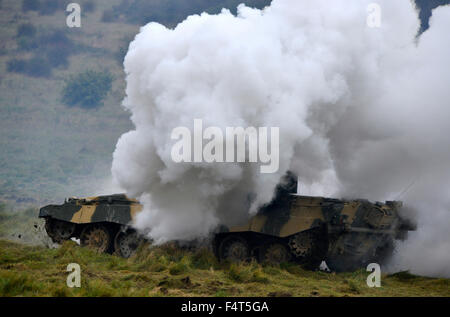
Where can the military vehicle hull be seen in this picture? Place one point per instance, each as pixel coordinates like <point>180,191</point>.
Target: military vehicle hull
<point>347,234</point>
<point>101,223</point>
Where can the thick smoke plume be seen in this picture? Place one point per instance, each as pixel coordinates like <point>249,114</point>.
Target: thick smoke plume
<point>363,112</point>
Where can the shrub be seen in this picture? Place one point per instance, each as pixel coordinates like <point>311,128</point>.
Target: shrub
<point>26,29</point>
<point>16,65</point>
<point>49,7</point>
<point>87,89</point>
<point>30,5</point>
<point>89,6</point>
<point>54,50</point>
<point>26,37</point>
<point>171,12</point>
<point>35,67</point>
<point>58,47</point>
<point>108,16</point>
<point>123,49</point>
<point>56,38</point>
<point>120,54</point>
<point>26,43</point>
<point>58,57</point>
<point>38,67</point>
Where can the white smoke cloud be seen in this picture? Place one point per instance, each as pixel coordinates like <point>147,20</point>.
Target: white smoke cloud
<point>363,112</point>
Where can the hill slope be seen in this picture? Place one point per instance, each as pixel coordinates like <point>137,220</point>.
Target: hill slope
<point>48,150</point>
<point>170,271</point>
<point>31,266</point>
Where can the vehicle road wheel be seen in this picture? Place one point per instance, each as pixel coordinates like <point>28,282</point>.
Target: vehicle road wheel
<point>126,243</point>
<point>234,248</point>
<point>59,230</point>
<point>309,248</point>
<point>96,237</point>
<point>275,253</point>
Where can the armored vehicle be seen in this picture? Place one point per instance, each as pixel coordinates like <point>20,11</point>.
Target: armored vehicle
<point>102,223</point>
<point>347,234</point>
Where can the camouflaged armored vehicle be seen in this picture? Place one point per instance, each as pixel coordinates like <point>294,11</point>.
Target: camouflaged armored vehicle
<point>346,234</point>
<point>101,223</point>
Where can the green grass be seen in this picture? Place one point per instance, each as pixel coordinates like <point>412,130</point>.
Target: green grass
<point>50,151</point>
<point>171,271</point>
<point>32,266</point>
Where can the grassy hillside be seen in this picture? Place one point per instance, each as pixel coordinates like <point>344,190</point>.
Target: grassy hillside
<point>49,150</point>
<point>23,226</point>
<point>31,265</point>
<point>170,271</point>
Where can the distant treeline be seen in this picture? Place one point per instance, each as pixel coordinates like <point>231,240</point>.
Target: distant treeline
<point>50,49</point>
<point>49,7</point>
<point>171,12</point>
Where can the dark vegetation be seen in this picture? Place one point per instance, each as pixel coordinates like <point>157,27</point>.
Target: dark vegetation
<point>30,5</point>
<point>89,6</point>
<point>26,30</point>
<point>50,49</point>
<point>123,49</point>
<point>50,7</point>
<point>171,12</point>
<point>35,67</point>
<point>87,89</point>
